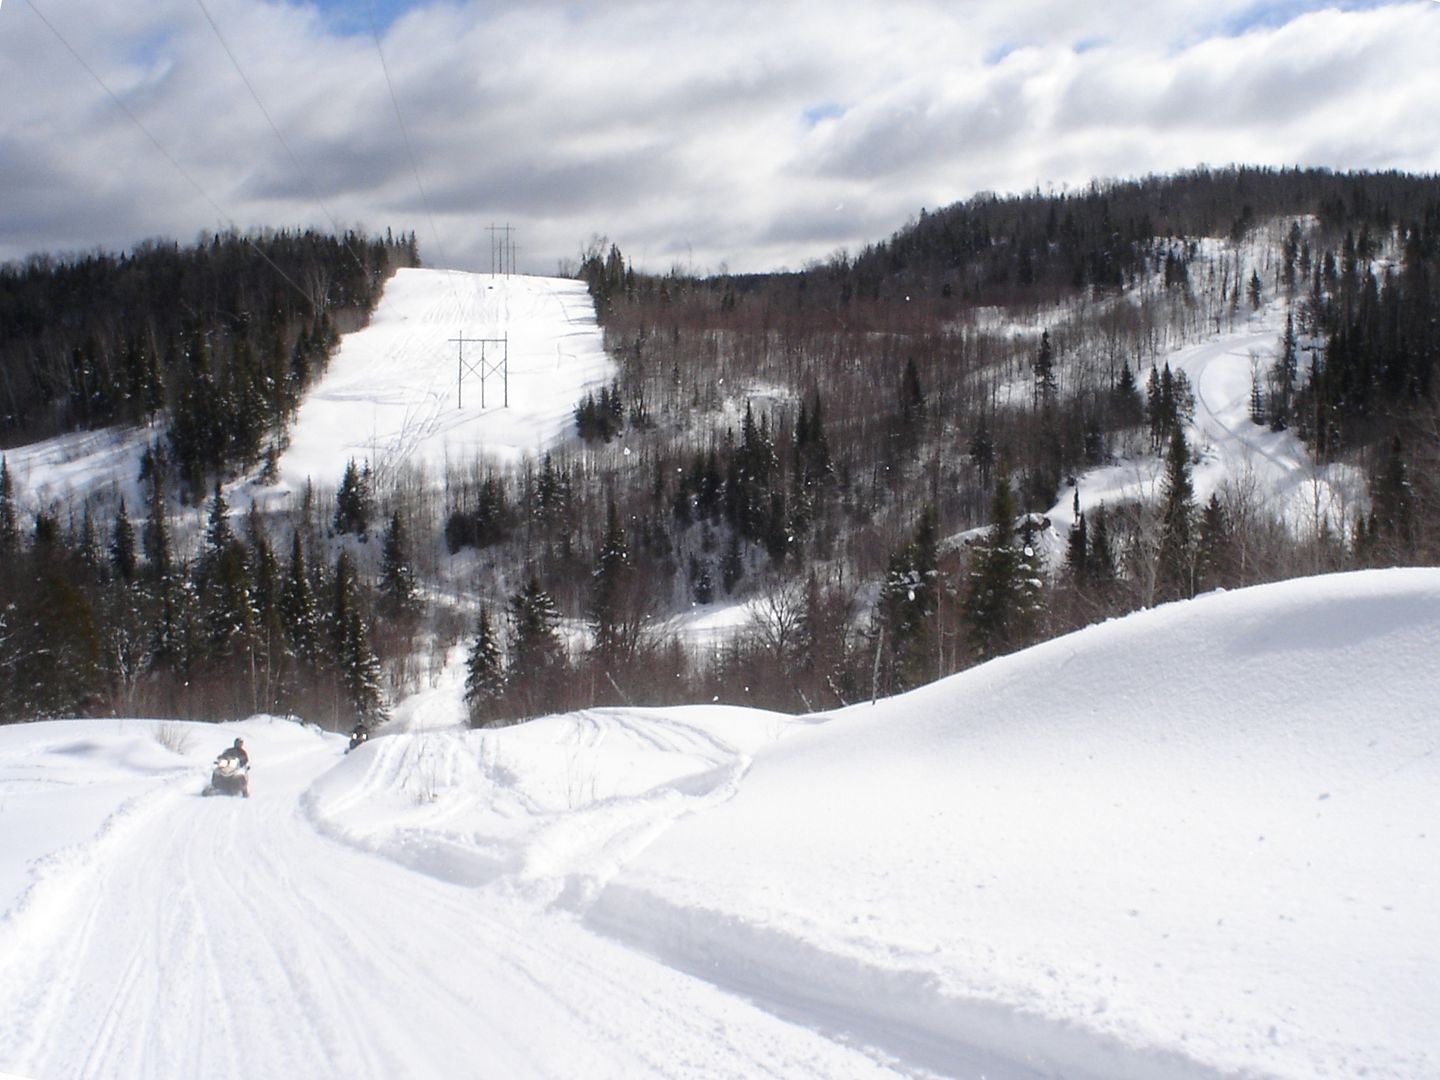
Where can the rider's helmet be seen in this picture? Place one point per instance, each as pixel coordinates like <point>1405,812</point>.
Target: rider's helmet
<point>239,744</point>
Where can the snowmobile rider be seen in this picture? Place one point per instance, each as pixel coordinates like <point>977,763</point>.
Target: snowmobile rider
<point>358,735</point>
<point>237,752</point>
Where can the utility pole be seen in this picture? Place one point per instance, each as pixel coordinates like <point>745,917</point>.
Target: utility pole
<point>483,367</point>
<point>502,250</point>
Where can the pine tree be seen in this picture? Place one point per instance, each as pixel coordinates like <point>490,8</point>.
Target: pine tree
<point>908,603</point>
<point>485,672</point>
<point>353,502</point>
<point>1044,371</point>
<point>87,548</point>
<point>732,564</point>
<point>1212,548</point>
<point>358,665</point>
<point>1100,566</point>
<point>982,452</point>
<point>399,596</point>
<point>301,616</point>
<point>1392,515</point>
<point>1127,404</point>
<point>1175,561</point>
<point>1077,548</point>
<point>537,654</point>
<point>1000,603</point>
<point>609,586</point>
<point>266,588</point>
<point>1257,399</point>
<point>123,558</point>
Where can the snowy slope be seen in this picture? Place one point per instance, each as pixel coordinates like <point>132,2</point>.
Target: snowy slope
<point>1196,842</point>
<point>1207,829</point>
<point>1272,469</point>
<point>396,394</point>
<point>393,394</point>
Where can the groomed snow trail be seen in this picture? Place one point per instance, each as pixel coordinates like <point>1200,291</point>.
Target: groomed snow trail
<point>230,938</point>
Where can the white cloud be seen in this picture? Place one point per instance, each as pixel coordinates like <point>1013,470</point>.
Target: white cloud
<point>746,134</point>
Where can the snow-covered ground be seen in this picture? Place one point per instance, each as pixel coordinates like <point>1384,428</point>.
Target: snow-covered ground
<point>1196,842</point>
<point>396,392</point>
<point>1272,470</point>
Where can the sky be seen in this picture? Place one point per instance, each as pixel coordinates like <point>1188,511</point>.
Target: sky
<point>727,136</point>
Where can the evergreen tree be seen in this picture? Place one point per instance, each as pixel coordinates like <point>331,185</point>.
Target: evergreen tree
<point>1392,513</point>
<point>732,564</point>
<point>1282,377</point>
<point>356,661</point>
<point>982,452</point>
<point>87,548</point>
<point>399,596</point>
<point>1077,548</point>
<point>609,590</point>
<point>1257,399</point>
<point>123,558</point>
<point>354,505</point>
<point>1175,561</point>
<point>218,534</point>
<point>999,605</point>
<point>156,536</point>
<point>485,672</point>
<point>908,603</point>
<point>1127,404</point>
<point>1100,565</point>
<point>1044,371</point>
<point>266,587</point>
<point>1212,549</point>
<point>537,654</point>
<point>300,612</point>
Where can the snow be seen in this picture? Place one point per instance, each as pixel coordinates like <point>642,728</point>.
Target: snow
<point>1192,843</point>
<point>1237,458</point>
<point>394,394</point>
<point>1195,842</point>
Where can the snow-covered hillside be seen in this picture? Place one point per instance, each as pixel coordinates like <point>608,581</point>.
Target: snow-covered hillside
<point>1273,470</point>
<point>395,394</point>
<point>1196,842</point>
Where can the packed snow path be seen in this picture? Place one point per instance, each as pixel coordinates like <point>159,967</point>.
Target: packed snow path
<point>225,937</point>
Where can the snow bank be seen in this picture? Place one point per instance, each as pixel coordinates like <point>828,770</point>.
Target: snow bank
<point>1207,830</point>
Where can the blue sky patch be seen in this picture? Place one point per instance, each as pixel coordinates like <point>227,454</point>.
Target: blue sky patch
<point>353,16</point>
<point>829,111</point>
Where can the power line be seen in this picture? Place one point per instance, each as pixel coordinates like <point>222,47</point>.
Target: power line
<point>340,233</point>
<point>199,188</point>
<point>404,132</point>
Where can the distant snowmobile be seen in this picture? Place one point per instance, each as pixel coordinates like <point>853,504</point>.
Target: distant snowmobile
<point>231,775</point>
<point>358,736</point>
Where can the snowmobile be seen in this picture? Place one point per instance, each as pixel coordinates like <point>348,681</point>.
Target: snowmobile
<point>358,736</point>
<point>229,777</point>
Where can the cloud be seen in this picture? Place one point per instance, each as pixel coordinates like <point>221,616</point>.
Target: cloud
<point>729,133</point>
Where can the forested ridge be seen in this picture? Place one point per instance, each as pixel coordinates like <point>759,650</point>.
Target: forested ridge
<point>862,451</point>
<point>218,341</point>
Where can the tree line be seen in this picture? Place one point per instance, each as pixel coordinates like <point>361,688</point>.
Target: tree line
<point>863,452</point>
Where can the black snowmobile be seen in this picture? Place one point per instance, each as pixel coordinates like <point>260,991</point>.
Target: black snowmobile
<point>231,775</point>
<point>359,735</point>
